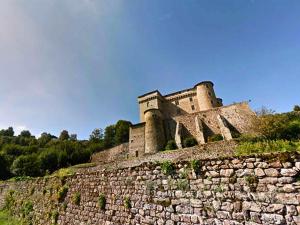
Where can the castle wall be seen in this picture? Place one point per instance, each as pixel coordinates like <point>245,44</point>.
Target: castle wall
<point>206,96</point>
<point>137,140</point>
<point>245,190</point>
<point>119,152</point>
<point>239,117</point>
<point>152,100</point>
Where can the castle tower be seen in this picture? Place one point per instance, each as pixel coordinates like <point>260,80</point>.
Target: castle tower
<point>206,96</point>
<point>154,131</point>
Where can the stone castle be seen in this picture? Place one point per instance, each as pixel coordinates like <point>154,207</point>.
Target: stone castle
<point>194,112</point>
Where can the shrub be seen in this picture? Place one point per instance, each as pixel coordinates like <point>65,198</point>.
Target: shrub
<point>127,202</point>
<point>167,167</point>
<point>9,200</point>
<point>54,217</point>
<point>195,165</point>
<point>102,201</point>
<point>62,193</point>
<point>189,142</point>
<point>183,184</point>
<point>215,137</point>
<point>76,198</point>
<point>296,108</point>
<point>26,165</point>
<point>27,208</point>
<point>248,148</point>
<point>171,145</point>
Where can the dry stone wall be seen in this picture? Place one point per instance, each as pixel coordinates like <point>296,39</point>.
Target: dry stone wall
<point>246,190</point>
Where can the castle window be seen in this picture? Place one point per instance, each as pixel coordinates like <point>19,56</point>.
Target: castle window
<point>131,141</point>
<point>209,93</point>
<point>191,99</point>
<point>147,104</point>
<point>211,101</point>
<point>193,107</point>
<point>136,154</point>
<point>176,102</point>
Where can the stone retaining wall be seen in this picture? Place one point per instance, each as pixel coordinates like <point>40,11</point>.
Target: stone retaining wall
<point>246,190</point>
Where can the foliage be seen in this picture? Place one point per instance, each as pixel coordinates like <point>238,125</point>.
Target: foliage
<point>195,165</point>
<point>96,136</point>
<point>27,208</point>
<point>167,167</point>
<point>9,132</point>
<point>64,135</point>
<point>127,202</point>
<point>62,193</point>
<point>263,111</point>
<point>54,216</point>
<point>76,198</point>
<point>26,165</point>
<point>215,137</point>
<point>297,108</point>
<point>189,142</point>
<point>7,219</point>
<point>102,201</point>
<point>171,145</point>
<point>248,148</point>
<point>183,184</point>
<point>122,131</point>
<point>64,172</point>
<point>279,126</point>
<point>9,200</point>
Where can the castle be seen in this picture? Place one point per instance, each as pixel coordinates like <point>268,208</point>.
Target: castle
<point>194,112</point>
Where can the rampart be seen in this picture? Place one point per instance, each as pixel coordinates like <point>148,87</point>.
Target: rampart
<point>249,190</point>
<point>116,153</point>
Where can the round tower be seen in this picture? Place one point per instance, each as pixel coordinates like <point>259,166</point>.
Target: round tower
<point>154,131</point>
<point>206,95</point>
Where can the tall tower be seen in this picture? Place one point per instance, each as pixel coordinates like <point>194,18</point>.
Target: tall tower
<point>206,95</point>
<point>154,131</point>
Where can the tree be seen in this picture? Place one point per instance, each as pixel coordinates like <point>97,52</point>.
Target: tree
<point>109,136</point>
<point>26,165</point>
<point>73,137</point>
<point>296,108</point>
<point>64,135</point>
<point>49,160</point>
<point>25,133</point>
<point>96,136</point>
<point>264,111</point>
<point>4,171</point>
<point>8,132</point>
<point>122,132</point>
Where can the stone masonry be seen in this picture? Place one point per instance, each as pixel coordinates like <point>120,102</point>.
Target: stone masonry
<point>243,190</point>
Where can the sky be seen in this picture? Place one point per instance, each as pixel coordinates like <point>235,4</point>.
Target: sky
<point>80,64</point>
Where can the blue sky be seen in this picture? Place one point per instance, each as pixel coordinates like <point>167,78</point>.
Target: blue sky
<point>80,64</point>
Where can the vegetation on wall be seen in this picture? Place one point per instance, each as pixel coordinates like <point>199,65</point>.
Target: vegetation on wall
<point>26,155</point>
<point>189,142</point>
<point>171,145</point>
<point>274,132</point>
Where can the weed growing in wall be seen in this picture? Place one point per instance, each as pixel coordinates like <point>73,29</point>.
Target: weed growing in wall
<point>171,145</point>
<point>27,208</point>
<point>127,202</point>
<point>9,200</point>
<point>62,193</point>
<point>76,198</point>
<point>183,184</point>
<point>64,206</point>
<point>189,142</point>
<point>195,165</point>
<point>150,187</point>
<point>252,181</point>
<point>167,167</point>
<point>184,174</point>
<point>102,201</point>
<point>54,217</point>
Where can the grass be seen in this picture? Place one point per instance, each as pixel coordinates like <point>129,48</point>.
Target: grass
<point>267,146</point>
<point>6,219</point>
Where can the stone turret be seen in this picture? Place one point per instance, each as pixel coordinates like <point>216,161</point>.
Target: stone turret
<point>154,131</point>
<point>206,96</point>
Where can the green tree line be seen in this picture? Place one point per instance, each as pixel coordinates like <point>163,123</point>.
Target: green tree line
<point>26,155</point>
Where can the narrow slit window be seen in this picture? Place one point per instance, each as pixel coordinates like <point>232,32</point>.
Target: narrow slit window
<point>193,107</point>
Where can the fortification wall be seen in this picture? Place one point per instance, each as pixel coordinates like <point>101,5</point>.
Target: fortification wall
<point>119,152</point>
<point>137,140</point>
<point>246,190</point>
<point>238,116</point>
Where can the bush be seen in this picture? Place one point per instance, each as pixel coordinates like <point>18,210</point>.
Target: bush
<point>62,193</point>
<point>296,108</point>
<point>127,202</point>
<point>54,217</point>
<point>215,137</point>
<point>102,201</point>
<point>167,167</point>
<point>171,145</point>
<point>195,165</point>
<point>189,142</point>
<point>26,165</point>
<point>27,208</point>
<point>76,198</point>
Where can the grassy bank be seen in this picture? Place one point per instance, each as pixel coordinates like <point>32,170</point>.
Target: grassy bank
<point>6,219</point>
